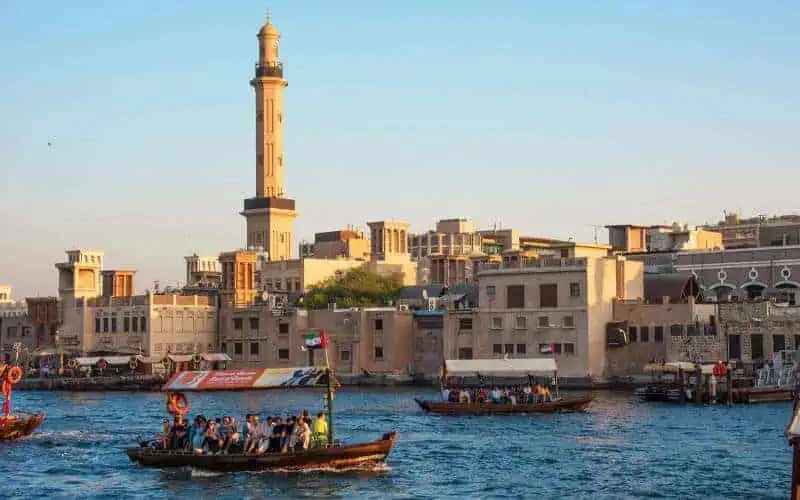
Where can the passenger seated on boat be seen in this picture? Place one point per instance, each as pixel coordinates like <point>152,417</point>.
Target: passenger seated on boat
<point>229,433</point>
<point>483,395</point>
<point>177,434</point>
<point>452,396</point>
<point>253,433</point>
<point>320,436</point>
<point>464,397</point>
<point>302,433</point>
<point>276,436</point>
<point>287,440</point>
<point>197,434</point>
<point>445,394</point>
<point>211,442</point>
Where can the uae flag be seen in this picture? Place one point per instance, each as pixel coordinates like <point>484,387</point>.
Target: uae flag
<point>547,349</point>
<point>315,339</point>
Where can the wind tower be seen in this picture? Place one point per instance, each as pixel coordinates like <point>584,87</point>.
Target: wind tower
<point>270,214</point>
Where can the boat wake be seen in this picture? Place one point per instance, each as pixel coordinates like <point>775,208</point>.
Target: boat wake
<point>188,473</point>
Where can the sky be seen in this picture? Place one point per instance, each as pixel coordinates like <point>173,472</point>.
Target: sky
<point>550,117</point>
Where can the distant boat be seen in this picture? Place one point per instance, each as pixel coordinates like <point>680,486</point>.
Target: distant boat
<point>506,368</point>
<point>20,424</point>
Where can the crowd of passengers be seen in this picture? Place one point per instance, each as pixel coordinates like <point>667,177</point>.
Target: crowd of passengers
<point>225,435</point>
<point>528,394</point>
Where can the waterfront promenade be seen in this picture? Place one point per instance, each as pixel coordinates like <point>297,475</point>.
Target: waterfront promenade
<point>620,448</point>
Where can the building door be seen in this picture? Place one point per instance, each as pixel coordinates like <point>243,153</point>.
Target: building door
<point>734,347</point>
<point>757,343</point>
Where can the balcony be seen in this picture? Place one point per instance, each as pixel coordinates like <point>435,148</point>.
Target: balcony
<point>269,70</point>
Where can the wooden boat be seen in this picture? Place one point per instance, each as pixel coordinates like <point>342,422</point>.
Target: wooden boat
<point>505,368</point>
<point>328,456</point>
<point>566,404</point>
<point>19,425</point>
<point>331,458</point>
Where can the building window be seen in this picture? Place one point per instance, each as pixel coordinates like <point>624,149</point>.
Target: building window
<point>344,355</point>
<point>237,348</point>
<point>254,348</point>
<point>522,348</point>
<point>465,353</point>
<point>378,324</point>
<point>465,323</point>
<point>237,323</point>
<point>497,348</point>
<point>691,329</point>
<point>283,328</point>
<point>548,295</point>
<point>278,284</point>
<point>97,325</point>
<point>757,343</point>
<point>490,292</point>
<point>644,333</point>
<point>283,353</point>
<point>114,325</point>
<point>543,321</point>
<point>142,324</point>
<point>778,343</point>
<point>796,342</point>
<point>254,323</point>
<point>569,321</point>
<point>658,334</point>
<point>509,349</point>
<point>105,325</point>
<point>223,347</point>
<point>379,353</point>
<point>633,334</point>
<point>497,323</point>
<point>135,326</point>
<point>515,296</point>
<point>569,349</point>
<point>676,330</point>
<point>574,289</point>
<point>126,324</point>
<point>557,348</point>
<point>521,323</point>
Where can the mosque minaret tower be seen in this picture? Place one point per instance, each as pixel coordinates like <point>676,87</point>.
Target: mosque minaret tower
<point>270,214</point>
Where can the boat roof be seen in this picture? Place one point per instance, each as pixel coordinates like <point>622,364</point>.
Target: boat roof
<point>674,366</point>
<point>205,356</point>
<point>111,360</point>
<point>510,366</point>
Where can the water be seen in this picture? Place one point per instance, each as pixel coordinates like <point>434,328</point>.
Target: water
<point>618,449</point>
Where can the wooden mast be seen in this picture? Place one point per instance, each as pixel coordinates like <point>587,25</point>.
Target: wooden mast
<point>329,396</point>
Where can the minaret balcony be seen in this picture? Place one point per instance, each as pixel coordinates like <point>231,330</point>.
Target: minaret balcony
<point>270,70</point>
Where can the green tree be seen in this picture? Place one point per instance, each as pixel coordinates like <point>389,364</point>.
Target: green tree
<point>355,288</point>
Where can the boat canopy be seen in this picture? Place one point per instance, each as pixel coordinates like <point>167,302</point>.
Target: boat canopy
<point>674,366</point>
<point>111,360</point>
<point>500,367</point>
<point>215,356</point>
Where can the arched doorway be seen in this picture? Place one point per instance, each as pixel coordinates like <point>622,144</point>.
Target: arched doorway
<point>754,289</point>
<point>722,292</point>
<point>788,291</point>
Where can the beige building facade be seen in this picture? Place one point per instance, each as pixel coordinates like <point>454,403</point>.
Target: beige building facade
<point>544,307</point>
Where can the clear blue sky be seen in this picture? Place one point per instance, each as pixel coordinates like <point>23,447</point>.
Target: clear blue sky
<point>551,116</point>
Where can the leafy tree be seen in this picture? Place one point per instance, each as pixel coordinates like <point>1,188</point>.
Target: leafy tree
<point>358,287</point>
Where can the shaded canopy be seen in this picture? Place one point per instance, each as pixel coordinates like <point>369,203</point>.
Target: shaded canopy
<point>499,367</point>
<point>677,286</point>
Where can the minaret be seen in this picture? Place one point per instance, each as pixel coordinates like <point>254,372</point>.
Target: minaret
<point>270,215</point>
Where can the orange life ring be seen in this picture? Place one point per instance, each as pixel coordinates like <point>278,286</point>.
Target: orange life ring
<point>177,404</point>
<point>14,374</point>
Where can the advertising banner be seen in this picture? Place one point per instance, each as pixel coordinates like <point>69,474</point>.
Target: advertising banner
<point>244,379</point>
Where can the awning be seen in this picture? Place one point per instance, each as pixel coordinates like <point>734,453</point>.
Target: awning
<point>462,367</point>
<point>215,356</point>
<point>674,366</point>
<point>111,360</point>
<point>180,358</point>
<point>146,359</point>
<point>46,352</point>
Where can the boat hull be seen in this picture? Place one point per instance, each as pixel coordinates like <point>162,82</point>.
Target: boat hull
<point>578,403</point>
<point>337,458</point>
<point>19,426</point>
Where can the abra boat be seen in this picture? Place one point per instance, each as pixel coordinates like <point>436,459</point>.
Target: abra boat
<point>20,424</point>
<point>506,368</point>
<point>328,456</point>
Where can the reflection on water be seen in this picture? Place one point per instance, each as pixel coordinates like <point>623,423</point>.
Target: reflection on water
<point>619,448</point>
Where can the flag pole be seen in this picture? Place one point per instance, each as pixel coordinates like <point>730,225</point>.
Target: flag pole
<point>330,389</point>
